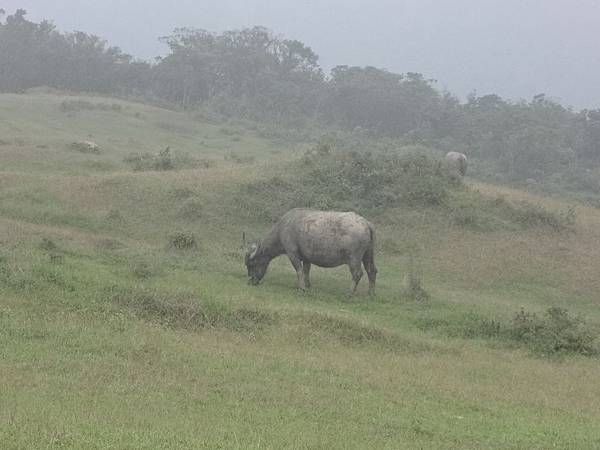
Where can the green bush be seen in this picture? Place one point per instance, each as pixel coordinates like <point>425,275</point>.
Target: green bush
<point>163,160</point>
<point>182,241</point>
<point>554,333</point>
<point>330,179</point>
<point>85,147</point>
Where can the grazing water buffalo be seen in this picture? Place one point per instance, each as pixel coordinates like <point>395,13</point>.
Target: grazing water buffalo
<point>326,239</point>
<point>456,163</point>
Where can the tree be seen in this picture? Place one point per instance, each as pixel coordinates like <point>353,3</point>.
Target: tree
<point>35,54</point>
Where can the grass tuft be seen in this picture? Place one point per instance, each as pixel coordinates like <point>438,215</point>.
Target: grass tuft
<point>182,241</point>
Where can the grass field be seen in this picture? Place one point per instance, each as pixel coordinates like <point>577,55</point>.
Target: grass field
<point>111,337</point>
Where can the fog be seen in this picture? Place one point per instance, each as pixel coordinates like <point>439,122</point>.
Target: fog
<point>515,48</point>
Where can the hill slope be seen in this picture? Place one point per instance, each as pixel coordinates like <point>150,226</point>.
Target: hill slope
<point>114,335</point>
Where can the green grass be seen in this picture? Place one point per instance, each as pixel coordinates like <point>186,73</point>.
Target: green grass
<point>113,338</point>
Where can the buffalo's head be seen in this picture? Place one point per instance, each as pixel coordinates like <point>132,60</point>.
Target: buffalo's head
<point>256,263</point>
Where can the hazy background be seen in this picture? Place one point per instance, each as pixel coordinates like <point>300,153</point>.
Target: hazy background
<point>515,48</point>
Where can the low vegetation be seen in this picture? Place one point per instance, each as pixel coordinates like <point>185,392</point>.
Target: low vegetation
<point>165,160</point>
<point>182,241</point>
<point>85,147</point>
<point>555,333</point>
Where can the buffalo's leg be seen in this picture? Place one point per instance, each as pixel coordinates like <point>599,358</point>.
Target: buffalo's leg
<point>306,273</point>
<point>357,273</point>
<point>371,269</point>
<point>297,263</point>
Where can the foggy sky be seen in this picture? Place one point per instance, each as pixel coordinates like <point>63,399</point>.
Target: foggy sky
<point>515,48</point>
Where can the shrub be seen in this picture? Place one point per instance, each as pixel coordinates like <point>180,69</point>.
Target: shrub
<point>326,179</point>
<point>182,241</point>
<point>57,258</point>
<point>553,334</point>
<point>165,160</point>
<point>85,147</point>
<point>381,180</point>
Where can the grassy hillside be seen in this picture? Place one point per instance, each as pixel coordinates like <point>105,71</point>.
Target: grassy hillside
<point>126,320</point>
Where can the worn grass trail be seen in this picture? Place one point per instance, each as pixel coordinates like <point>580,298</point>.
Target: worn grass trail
<point>112,338</point>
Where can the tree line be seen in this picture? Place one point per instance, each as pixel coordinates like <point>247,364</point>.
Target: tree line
<point>254,74</point>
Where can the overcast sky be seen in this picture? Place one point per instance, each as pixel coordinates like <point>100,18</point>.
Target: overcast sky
<point>515,48</point>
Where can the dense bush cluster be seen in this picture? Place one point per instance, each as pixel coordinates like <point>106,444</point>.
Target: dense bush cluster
<point>182,240</point>
<point>351,181</point>
<point>554,333</point>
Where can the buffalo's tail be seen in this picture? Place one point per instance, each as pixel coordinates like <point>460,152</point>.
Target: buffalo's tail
<point>372,233</point>
<point>370,253</point>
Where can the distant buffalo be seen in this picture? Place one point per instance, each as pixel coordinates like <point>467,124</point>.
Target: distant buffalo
<point>456,163</point>
<point>326,239</point>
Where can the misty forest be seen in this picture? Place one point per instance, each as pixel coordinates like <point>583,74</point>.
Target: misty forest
<point>141,202</point>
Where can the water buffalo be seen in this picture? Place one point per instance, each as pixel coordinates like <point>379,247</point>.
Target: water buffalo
<point>456,163</point>
<point>326,239</point>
